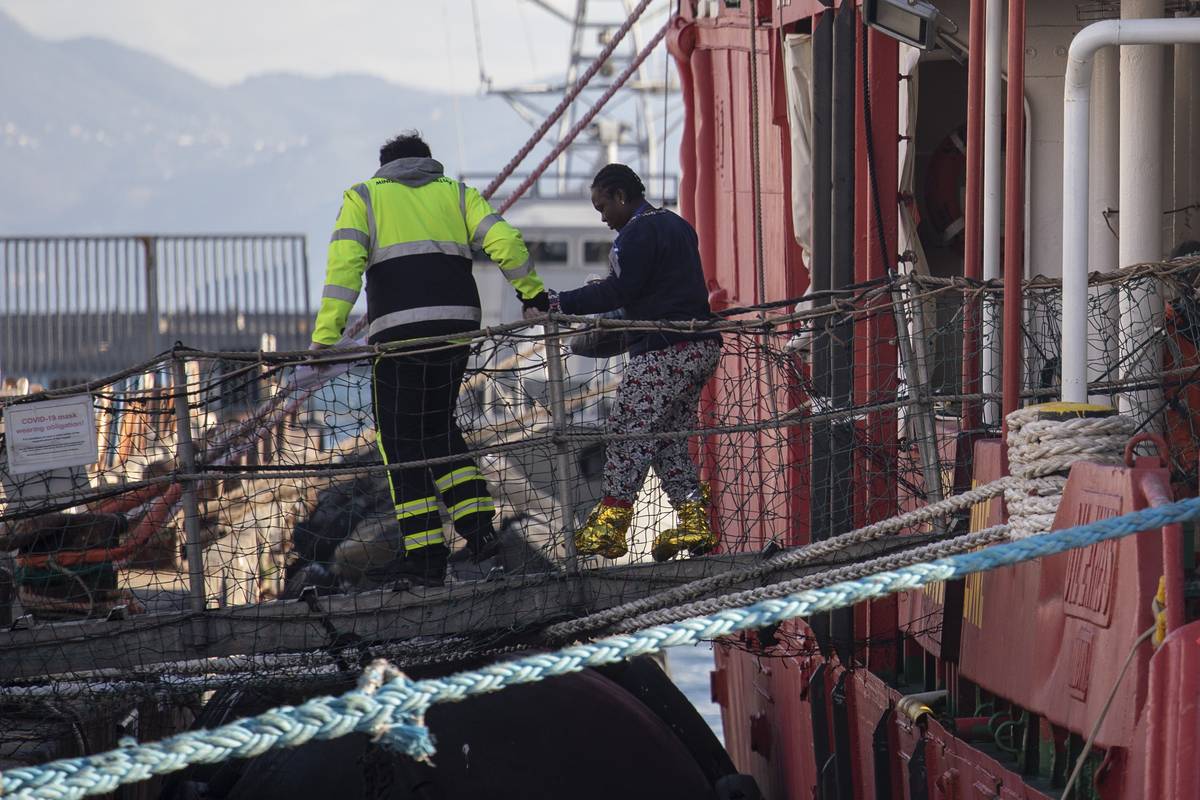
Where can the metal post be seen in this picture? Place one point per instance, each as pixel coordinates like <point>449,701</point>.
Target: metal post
<point>151,296</point>
<point>1103,352</point>
<point>821,271</point>
<point>1014,219</point>
<point>820,461</point>
<point>916,376</point>
<point>562,452</point>
<point>1140,181</point>
<point>186,462</point>
<point>993,201</point>
<point>841,377</point>
<point>973,252</point>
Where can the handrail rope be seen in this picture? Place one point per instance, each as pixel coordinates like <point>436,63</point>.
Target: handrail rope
<point>936,285</point>
<point>57,501</point>
<point>70,498</point>
<point>1028,499</point>
<point>391,707</point>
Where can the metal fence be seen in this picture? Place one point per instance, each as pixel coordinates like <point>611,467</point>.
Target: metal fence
<point>72,308</point>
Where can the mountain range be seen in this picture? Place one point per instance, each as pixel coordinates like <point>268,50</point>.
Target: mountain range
<point>97,138</point>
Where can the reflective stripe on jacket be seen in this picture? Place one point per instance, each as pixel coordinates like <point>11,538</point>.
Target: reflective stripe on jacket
<point>411,230</point>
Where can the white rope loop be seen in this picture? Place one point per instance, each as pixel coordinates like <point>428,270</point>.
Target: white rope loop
<point>1041,452</point>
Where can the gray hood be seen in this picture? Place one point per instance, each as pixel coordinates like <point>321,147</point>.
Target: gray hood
<point>412,171</point>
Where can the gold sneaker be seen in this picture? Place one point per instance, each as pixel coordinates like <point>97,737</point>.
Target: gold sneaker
<point>693,533</point>
<point>604,532</point>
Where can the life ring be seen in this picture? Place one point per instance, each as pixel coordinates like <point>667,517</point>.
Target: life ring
<point>945,188</point>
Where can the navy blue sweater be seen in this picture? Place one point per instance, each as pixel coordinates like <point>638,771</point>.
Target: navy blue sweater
<point>654,274</point>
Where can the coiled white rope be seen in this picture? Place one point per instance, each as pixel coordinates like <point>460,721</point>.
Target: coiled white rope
<point>1041,452</point>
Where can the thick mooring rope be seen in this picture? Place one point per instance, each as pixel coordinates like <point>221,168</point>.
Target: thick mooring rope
<point>893,561</point>
<point>571,629</point>
<point>1041,452</point>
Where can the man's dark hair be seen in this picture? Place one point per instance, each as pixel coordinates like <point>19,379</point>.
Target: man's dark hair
<point>408,144</point>
<point>618,176</point>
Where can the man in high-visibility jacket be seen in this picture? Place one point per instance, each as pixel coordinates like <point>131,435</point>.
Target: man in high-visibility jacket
<point>411,231</point>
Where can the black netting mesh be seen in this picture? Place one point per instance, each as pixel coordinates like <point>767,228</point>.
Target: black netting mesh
<point>817,420</point>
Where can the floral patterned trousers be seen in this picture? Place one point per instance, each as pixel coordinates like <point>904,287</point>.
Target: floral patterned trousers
<point>659,393</point>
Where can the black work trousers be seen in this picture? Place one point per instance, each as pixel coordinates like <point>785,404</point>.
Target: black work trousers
<point>414,398</point>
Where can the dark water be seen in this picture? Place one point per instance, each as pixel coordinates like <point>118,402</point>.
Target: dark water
<point>690,668</point>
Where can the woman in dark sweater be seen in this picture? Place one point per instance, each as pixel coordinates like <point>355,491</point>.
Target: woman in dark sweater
<point>654,274</point>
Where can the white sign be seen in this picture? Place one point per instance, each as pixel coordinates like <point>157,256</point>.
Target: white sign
<point>50,434</point>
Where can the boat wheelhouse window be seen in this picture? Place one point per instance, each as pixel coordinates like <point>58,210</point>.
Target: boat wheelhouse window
<point>596,251</point>
<point>548,252</point>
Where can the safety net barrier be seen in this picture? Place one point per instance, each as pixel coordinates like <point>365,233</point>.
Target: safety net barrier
<point>236,537</point>
<point>390,707</point>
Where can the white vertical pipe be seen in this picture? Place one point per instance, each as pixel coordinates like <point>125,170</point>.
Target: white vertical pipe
<point>993,198</point>
<point>1076,107</point>
<point>1076,103</point>
<point>1141,202</point>
<point>1186,224</point>
<point>1193,141</point>
<point>1165,234</point>
<point>1102,237</point>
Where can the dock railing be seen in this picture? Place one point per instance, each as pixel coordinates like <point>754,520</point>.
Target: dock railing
<point>78,306</point>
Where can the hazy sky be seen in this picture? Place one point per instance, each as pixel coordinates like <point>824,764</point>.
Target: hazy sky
<point>413,42</point>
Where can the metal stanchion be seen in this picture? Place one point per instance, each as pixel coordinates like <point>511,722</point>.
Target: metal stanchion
<point>562,457</point>
<point>186,462</point>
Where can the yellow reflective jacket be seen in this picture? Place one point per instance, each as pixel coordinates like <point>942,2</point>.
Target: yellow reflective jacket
<point>411,230</point>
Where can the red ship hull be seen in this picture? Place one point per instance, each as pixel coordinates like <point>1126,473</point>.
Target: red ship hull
<point>1027,654</point>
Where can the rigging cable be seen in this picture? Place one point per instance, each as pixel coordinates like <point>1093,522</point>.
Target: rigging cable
<point>579,126</point>
<point>569,98</point>
<point>666,113</point>
<point>484,81</point>
<point>755,155</point>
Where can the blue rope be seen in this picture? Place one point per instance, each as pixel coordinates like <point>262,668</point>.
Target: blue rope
<point>391,708</point>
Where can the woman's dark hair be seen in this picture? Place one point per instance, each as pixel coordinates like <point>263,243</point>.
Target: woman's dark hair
<point>618,176</point>
<point>408,144</point>
<point>1186,249</point>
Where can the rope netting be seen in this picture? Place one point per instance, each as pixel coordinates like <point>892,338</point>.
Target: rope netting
<point>390,707</point>
<point>293,538</point>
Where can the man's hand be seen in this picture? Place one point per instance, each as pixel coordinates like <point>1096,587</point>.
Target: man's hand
<point>535,307</point>
<point>310,376</point>
<point>540,302</point>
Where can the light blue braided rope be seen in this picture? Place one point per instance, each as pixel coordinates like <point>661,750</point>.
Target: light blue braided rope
<point>391,708</point>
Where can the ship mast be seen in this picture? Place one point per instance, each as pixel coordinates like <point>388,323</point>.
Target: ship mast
<point>633,126</point>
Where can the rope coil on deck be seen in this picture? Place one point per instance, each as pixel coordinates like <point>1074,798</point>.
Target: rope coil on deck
<point>1041,451</point>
